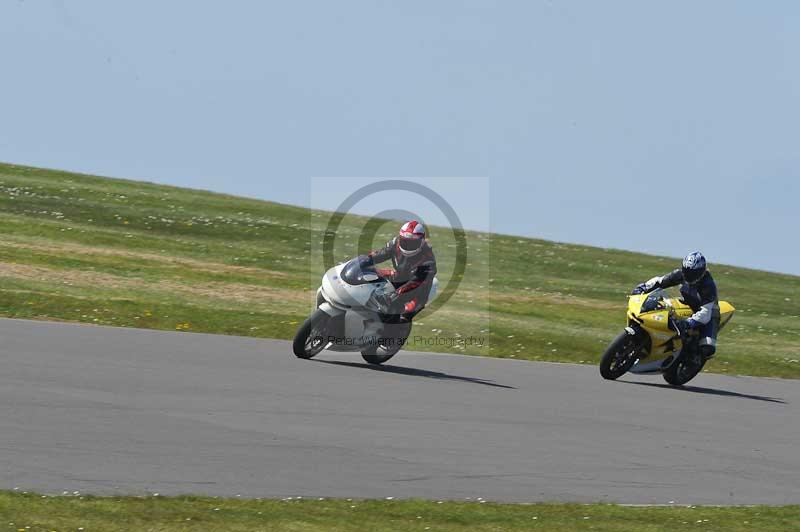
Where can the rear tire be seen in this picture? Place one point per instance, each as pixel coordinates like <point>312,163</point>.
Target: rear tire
<point>398,333</point>
<point>684,369</point>
<point>310,338</point>
<point>620,355</point>
<point>376,357</point>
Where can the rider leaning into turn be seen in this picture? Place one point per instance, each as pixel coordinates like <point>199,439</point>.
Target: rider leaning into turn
<point>414,268</point>
<point>699,291</point>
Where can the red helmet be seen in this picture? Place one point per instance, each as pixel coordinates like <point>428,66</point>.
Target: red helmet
<point>411,237</point>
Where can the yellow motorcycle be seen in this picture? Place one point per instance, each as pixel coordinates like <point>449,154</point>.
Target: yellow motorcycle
<point>650,343</point>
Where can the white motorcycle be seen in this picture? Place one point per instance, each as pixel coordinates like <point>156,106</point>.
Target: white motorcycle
<point>351,317</point>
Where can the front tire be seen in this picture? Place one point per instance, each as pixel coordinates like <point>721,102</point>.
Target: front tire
<point>620,355</point>
<point>310,337</point>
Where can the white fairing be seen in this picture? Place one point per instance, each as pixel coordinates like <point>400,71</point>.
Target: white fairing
<point>649,367</point>
<point>361,319</point>
<point>339,293</point>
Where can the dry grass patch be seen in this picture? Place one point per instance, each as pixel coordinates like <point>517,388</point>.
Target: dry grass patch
<point>238,292</point>
<point>194,264</point>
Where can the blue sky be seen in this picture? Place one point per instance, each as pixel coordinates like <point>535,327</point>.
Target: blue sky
<point>660,127</point>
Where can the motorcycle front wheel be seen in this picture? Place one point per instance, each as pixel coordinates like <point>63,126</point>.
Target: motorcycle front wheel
<point>620,355</point>
<point>310,337</point>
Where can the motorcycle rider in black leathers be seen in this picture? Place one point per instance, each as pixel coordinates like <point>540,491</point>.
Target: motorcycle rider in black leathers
<point>699,291</point>
<point>412,276</point>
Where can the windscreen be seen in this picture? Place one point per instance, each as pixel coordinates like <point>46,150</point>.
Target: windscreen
<point>654,301</point>
<point>359,270</point>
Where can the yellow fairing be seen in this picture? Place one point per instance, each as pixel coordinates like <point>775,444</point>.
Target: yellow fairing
<point>656,321</point>
<point>635,304</point>
<point>725,313</point>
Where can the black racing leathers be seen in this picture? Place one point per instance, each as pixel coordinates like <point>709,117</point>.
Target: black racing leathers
<point>701,298</point>
<point>412,276</point>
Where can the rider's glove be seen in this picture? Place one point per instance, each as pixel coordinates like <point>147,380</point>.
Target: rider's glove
<point>684,326</point>
<point>387,300</point>
<point>640,289</point>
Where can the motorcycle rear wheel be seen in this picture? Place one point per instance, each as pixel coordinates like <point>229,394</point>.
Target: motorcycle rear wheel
<point>310,338</point>
<point>378,356</point>
<point>684,370</point>
<point>382,353</point>
<point>620,355</point>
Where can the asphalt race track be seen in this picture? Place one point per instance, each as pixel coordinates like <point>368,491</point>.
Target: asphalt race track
<point>105,410</point>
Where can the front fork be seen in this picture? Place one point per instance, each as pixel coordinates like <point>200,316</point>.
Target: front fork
<point>641,338</point>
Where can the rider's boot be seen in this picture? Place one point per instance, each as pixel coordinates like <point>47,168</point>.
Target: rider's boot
<point>707,351</point>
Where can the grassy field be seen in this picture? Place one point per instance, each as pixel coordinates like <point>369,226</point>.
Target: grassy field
<point>115,252</point>
<point>32,513</point>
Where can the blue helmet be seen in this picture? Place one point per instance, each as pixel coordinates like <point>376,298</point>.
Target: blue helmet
<point>694,267</point>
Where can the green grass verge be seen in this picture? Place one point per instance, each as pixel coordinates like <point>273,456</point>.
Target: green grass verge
<point>133,254</point>
<point>34,513</point>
